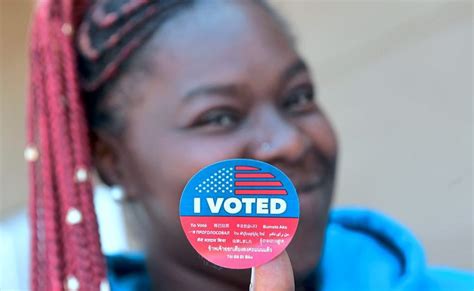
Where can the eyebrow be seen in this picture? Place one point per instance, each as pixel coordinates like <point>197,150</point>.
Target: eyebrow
<point>228,90</point>
<point>296,68</point>
<point>233,89</point>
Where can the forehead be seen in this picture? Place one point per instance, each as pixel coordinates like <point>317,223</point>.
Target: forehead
<point>219,39</point>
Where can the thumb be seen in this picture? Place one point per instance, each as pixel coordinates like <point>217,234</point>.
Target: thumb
<point>275,275</point>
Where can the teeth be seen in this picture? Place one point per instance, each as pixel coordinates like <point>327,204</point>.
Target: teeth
<point>308,186</point>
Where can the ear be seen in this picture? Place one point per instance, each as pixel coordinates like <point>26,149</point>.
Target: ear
<point>110,161</point>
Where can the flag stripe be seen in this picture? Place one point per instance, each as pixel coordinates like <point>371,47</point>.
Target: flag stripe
<point>256,175</point>
<point>257,183</point>
<point>246,168</point>
<point>258,192</point>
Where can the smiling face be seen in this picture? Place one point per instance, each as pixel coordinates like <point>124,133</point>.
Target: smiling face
<point>210,86</point>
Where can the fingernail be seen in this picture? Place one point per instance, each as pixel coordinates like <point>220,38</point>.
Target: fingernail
<point>252,280</point>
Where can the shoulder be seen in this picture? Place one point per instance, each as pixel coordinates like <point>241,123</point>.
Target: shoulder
<point>127,271</point>
<point>444,278</point>
<point>372,251</point>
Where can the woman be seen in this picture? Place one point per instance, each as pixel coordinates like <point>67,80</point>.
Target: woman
<point>149,92</point>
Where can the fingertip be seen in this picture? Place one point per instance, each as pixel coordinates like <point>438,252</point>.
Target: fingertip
<point>274,275</point>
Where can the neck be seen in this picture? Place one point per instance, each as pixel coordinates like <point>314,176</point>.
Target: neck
<point>171,274</point>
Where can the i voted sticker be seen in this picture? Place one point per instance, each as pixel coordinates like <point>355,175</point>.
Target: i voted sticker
<point>239,213</point>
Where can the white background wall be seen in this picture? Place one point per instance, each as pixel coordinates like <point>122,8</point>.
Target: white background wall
<point>396,79</point>
<point>394,76</point>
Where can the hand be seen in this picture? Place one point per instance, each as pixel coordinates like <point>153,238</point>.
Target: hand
<point>276,275</point>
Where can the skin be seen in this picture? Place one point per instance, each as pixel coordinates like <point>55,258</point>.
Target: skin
<point>206,87</point>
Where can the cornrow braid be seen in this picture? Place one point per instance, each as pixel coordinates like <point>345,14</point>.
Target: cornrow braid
<point>110,33</point>
<point>65,244</point>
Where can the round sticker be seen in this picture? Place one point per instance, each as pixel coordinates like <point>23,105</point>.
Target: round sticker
<point>239,213</point>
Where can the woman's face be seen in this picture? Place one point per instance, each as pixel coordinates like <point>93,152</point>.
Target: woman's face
<point>216,82</point>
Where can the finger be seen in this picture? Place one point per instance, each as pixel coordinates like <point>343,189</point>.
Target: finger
<point>275,275</point>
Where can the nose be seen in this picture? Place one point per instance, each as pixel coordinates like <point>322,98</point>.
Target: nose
<point>277,139</point>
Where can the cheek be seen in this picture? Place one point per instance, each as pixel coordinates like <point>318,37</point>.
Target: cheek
<point>322,134</point>
<point>174,158</point>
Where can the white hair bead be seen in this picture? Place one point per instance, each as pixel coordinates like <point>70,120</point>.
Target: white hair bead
<point>66,29</point>
<point>104,285</point>
<point>117,193</point>
<point>71,284</point>
<point>31,153</point>
<point>81,175</point>
<point>73,216</point>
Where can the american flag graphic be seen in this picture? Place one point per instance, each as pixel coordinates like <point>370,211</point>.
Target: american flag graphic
<point>241,180</point>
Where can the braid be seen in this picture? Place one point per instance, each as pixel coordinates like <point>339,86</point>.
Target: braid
<point>46,260</point>
<point>81,155</point>
<point>65,243</point>
<point>37,264</point>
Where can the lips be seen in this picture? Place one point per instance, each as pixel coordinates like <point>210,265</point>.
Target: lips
<point>311,185</point>
<point>309,174</point>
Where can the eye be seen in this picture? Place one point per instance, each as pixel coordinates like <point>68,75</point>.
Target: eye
<point>218,119</point>
<point>300,100</point>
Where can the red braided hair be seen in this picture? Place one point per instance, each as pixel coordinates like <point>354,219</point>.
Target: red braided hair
<point>65,244</point>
